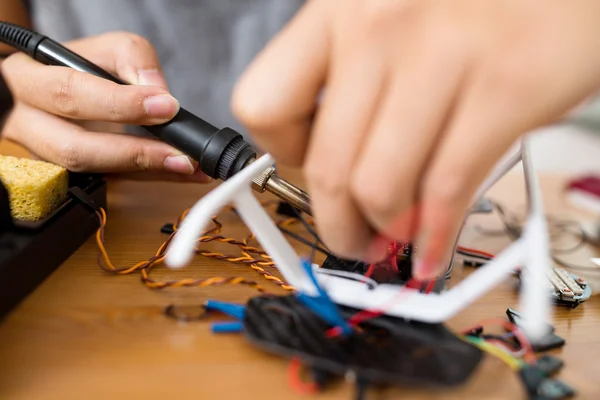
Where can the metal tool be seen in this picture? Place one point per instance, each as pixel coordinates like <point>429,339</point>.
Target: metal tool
<point>221,153</point>
<point>269,181</point>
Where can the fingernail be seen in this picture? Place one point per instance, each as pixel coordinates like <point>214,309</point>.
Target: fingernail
<point>162,106</point>
<point>431,256</point>
<point>151,77</point>
<point>180,164</point>
<point>425,270</point>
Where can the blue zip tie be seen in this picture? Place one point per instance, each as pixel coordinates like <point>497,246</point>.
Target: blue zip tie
<point>227,327</point>
<point>236,311</point>
<point>322,304</point>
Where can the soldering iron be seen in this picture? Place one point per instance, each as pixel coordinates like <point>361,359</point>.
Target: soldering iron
<point>220,152</point>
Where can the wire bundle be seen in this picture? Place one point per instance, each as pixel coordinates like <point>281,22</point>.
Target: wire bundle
<point>250,255</point>
<point>559,228</point>
<point>516,356</point>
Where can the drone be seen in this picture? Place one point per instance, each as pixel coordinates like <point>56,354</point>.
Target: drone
<point>529,253</point>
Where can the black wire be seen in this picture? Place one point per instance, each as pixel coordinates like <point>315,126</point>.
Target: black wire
<point>472,255</point>
<point>313,250</point>
<point>303,240</point>
<point>308,227</point>
<point>513,231</point>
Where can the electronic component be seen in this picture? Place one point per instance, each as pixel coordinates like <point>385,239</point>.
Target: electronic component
<point>547,342</point>
<point>566,288</point>
<point>548,364</point>
<point>532,378</point>
<point>383,272</point>
<point>565,284</point>
<point>517,319</point>
<point>167,229</point>
<point>569,289</point>
<point>554,389</point>
<point>221,153</point>
<point>539,387</point>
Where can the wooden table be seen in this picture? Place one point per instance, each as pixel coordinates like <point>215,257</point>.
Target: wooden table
<point>86,334</point>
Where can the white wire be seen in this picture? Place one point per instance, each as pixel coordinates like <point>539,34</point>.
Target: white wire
<point>348,275</point>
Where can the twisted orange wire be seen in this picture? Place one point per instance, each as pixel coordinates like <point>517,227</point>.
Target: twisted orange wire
<point>258,263</point>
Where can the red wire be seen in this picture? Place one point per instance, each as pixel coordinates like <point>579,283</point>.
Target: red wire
<point>475,251</point>
<point>430,287</point>
<point>365,315</point>
<point>394,255</point>
<point>370,270</point>
<point>500,343</point>
<point>296,382</point>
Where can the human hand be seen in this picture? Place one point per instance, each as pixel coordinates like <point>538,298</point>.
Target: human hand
<point>51,104</point>
<point>421,99</point>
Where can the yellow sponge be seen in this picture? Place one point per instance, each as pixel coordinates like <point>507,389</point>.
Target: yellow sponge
<point>35,188</point>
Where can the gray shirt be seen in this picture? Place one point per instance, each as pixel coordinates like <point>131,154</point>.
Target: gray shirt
<point>203,45</point>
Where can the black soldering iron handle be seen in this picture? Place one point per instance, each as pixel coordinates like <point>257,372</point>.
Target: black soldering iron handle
<point>220,152</point>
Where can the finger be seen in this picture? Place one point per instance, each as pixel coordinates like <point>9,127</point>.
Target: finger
<point>476,139</point>
<point>343,119</point>
<point>401,140</point>
<point>276,97</point>
<point>77,95</point>
<point>70,146</point>
<point>129,56</point>
<point>196,177</point>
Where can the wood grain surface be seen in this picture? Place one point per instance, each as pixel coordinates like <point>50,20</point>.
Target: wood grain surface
<point>87,334</point>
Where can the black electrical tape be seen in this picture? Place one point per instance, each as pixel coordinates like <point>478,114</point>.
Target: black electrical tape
<point>385,351</point>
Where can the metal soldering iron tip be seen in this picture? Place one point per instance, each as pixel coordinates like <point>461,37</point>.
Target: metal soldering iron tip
<point>268,180</point>
<point>289,193</point>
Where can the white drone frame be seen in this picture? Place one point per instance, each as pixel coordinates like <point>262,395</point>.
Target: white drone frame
<point>530,252</point>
